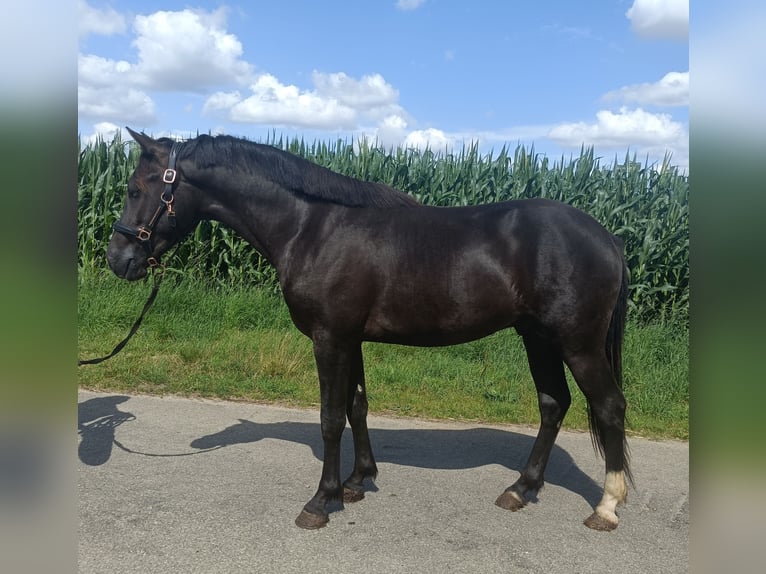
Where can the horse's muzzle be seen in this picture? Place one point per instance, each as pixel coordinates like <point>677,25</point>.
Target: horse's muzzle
<point>128,263</point>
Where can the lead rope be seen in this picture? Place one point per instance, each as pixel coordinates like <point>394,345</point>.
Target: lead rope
<point>158,272</point>
<point>121,446</point>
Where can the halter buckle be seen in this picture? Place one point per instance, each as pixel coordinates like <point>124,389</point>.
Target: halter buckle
<point>143,234</point>
<point>169,176</point>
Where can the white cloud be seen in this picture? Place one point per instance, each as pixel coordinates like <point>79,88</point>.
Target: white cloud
<point>337,102</point>
<point>625,128</point>
<point>124,105</point>
<point>637,130</point>
<point>105,92</point>
<point>369,92</point>
<point>221,101</point>
<point>275,103</point>
<point>409,4</point>
<point>648,136</point>
<point>192,51</point>
<point>671,90</point>
<point>390,131</point>
<point>660,18</point>
<point>434,139</point>
<point>188,50</point>
<point>104,130</point>
<point>95,71</point>
<point>91,20</point>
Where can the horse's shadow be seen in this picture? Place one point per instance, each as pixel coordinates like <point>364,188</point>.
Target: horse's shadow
<point>442,449</point>
<point>97,420</point>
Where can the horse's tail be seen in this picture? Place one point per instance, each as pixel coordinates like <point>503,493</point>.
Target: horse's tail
<point>616,330</point>
<point>613,349</point>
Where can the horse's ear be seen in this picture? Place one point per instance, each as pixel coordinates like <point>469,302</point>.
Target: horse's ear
<point>148,145</point>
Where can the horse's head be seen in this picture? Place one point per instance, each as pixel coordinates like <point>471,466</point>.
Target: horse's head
<point>157,212</point>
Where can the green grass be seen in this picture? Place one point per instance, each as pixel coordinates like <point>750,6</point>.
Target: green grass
<point>236,343</point>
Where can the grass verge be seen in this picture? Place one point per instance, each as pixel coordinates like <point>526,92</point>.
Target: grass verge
<point>235,343</point>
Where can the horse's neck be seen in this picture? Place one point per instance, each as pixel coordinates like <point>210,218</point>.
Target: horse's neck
<point>268,220</point>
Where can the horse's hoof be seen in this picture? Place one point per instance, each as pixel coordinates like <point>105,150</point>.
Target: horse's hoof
<point>597,522</point>
<point>352,494</point>
<point>510,501</point>
<point>311,521</point>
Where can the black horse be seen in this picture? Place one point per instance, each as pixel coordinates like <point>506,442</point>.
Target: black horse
<point>360,261</point>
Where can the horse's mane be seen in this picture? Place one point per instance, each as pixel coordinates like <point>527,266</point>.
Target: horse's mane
<point>291,172</point>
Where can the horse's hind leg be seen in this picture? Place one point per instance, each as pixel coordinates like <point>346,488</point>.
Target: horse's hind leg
<point>356,411</point>
<point>606,405</point>
<point>554,399</point>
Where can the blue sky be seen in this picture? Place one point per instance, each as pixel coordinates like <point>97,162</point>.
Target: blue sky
<point>555,73</point>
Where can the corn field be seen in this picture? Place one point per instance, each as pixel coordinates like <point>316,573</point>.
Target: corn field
<point>647,206</point>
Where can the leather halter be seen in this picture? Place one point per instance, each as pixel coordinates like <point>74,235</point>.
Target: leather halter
<point>143,233</point>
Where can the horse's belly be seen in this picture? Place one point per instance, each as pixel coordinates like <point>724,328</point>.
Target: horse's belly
<point>429,339</point>
<point>433,325</point>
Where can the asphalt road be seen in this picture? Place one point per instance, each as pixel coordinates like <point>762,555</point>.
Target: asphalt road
<point>185,485</point>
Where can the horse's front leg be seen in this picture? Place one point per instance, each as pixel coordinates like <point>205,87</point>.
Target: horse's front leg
<point>334,361</point>
<point>356,411</point>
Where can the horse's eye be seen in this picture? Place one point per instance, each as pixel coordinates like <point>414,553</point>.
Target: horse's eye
<point>133,192</point>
